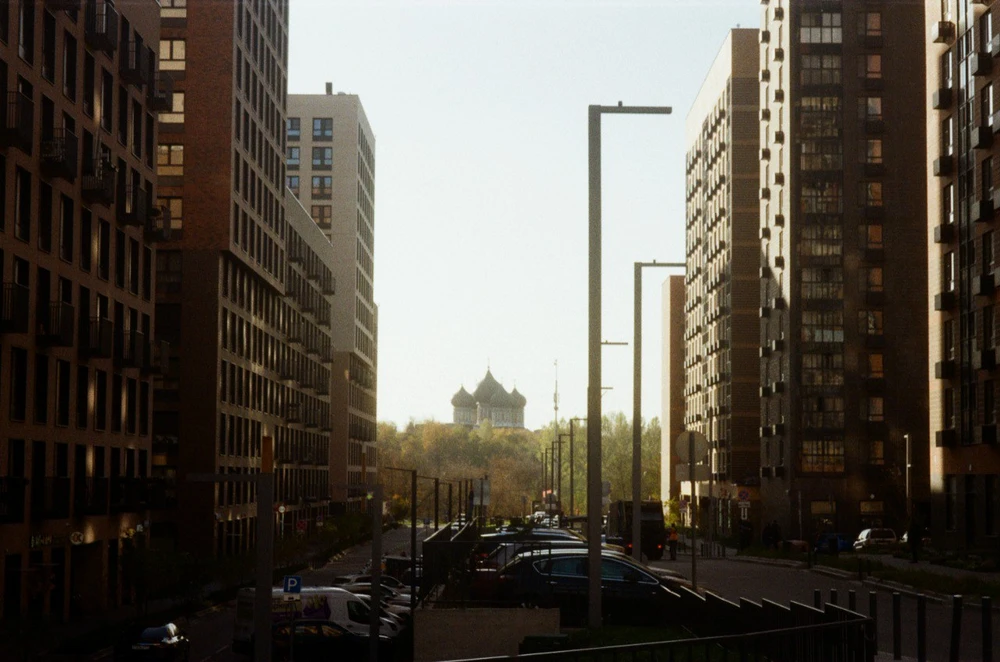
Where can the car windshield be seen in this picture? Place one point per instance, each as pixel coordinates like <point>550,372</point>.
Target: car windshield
<point>154,635</point>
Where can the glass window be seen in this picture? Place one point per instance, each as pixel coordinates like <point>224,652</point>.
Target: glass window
<point>870,108</point>
<point>871,237</point>
<point>873,150</point>
<point>169,160</point>
<point>322,214</point>
<point>948,204</point>
<point>948,271</point>
<point>293,126</point>
<point>322,187</point>
<point>874,409</point>
<point>947,126</point>
<point>875,367</point>
<point>988,259</point>
<point>572,567</point>
<point>293,157</point>
<point>820,28</point>
<point>173,53</point>
<point>986,105</point>
<point>872,193</point>
<point>872,280</point>
<point>870,24</point>
<point>322,128</point>
<point>988,340</point>
<point>870,322</point>
<point>876,452</point>
<point>870,65</point>
<point>176,113</point>
<point>986,177</point>
<point>322,157</point>
<point>825,456</point>
<point>292,182</point>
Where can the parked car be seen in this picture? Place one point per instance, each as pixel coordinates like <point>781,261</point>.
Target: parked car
<point>164,643</point>
<point>321,641</point>
<point>631,593</point>
<point>875,540</point>
<point>387,580</point>
<point>924,540</point>
<point>825,541</point>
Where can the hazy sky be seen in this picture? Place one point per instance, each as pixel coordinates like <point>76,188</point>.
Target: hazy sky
<point>480,115</point>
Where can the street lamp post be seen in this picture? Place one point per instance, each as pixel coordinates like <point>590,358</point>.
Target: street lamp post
<point>637,407</point>
<point>594,113</point>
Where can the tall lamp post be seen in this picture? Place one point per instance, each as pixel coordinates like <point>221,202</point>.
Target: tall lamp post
<point>637,407</point>
<point>594,113</point>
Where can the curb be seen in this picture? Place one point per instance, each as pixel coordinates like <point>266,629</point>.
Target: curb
<point>832,572</point>
<point>765,561</point>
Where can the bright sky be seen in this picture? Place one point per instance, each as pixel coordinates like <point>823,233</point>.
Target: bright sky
<point>480,113</point>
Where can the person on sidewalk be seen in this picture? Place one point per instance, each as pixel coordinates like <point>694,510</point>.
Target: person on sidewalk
<point>672,542</point>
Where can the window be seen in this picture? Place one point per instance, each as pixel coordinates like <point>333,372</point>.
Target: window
<point>821,28</point>
<point>823,369</point>
<point>174,207</point>
<point>986,29</point>
<point>870,24</point>
<point>820,69</point>
<point>176,114</point>
<point>100,400</point>
<point>948,204</point>
<point>86,240</point>
<point>823,411</point>
<point>822,456</point>
<point>292,182</point>
<point>18,384</point>
<point>293,158</point>
<point>948,271</point>
<point>873,409</point>
<point>107,100</point>
<point>989,402</point>
<point>988,256</point>
<point>947,129</point>
<point>822,283</point>
<point>41,389</point>
<point>870,322</point>
<point>950,501</point>
<point>986,105</point>
<point>872,151</point>
<point>822,197</point>
<point>323,215</point>
<point>22,204</point>
<point>69,66</point>
<point>104,250</point>
<point>62,392</point>
<point>26,32</point>
<point>876,452</point>
<point>822,326</point>
<point>293,127</point>
<point>173,8</point>
<point>948,402</point>
<point>322,188</point>
<point>871,237</point>
<point>986,177</point>
<point>82,396</point>
<point>870,65</point>
<point>45,217</point>
<point>871,193</point>
<point>89,82</point>
<point>989,504</point>
<point>48,47</point>
<point>66,229</point>
<point>322,128</point>
<point>173,53</point>
<point>322,157</point>
<point>875,366</point>
<point>170,160</point>
<point>872,280</point>
<point>989,342</point>
<point>870,109</point>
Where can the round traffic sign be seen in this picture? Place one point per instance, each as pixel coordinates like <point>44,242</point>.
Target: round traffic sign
<point>682,446</point>
<point>281,509</point>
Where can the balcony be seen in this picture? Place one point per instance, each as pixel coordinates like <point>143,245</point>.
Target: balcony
<point>779,387</point>
<point>945,369</point>
<point>765,472</point>
<point>50,498</point>
<point>779,220</point>
<point>765,75</point>
<point>980,64</point>
<point>779,429</point>
<point>99,183</point>
<point>764,36</point>
<point>944,233</point>
<point>874,126</point>
<point>765,272</point>
<point>778,345</point>
<point>944,166</point>
<point>874,298</point>
<point>944,301</point>
<point>14,308</point>
<point>765,312</point>
<point>874,169</point>
<point>162,493</point>
<point>871,41</point>
<point>101,27</point>
<point>872,83</point>
<point>133,63</point>
<point>90,496</point>
<point>133,206</point>
<point>941,98</point>
<point>995,45</point>
<point>329,285</point>
<point>131,349</point>
<point>161,92</point>
<point>13,497</point>
<point>293,413</point>
<point>765,392</point>
<point>19,123</point>
<point>984,359</point>
<point>765,351</point>
<point>60,155</point>
<point>946,438</point>
<point>982,285</point>
<point>55,325</point>
<point>294,332</point>
<point>981,137</point>
<point>942,32</point>
<point>780,303</point>
<point>97,339</point>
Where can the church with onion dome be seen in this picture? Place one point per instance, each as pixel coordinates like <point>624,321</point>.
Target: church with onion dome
<point>490,401</point>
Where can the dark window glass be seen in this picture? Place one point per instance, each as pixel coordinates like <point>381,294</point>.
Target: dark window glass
<point>82,396</point>
<point>18,384</point>
<point>41,388</point>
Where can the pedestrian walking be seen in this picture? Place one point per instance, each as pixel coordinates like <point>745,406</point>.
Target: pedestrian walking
<point>672,542</point>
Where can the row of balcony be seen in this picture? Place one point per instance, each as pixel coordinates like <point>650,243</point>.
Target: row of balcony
<point>949,437</point>
<point>982,359</point>
<point>51,498</point>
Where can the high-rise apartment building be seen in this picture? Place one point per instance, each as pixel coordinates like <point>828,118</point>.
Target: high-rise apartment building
<point>77,250</point>
<point>331,169</point>
<point>963,196</point>
<point>241,349</point>
<point>844,291</point>
<point>672,379</point>
<point>721,338</point>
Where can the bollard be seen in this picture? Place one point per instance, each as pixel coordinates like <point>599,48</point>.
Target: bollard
<point>852,600</point>
<point>987,603</point>
<point>833,596</point>
<point>897,627</point>
<point>921,627</point>
<point>956,627</point>
<point>818,599</point>
<point>873,614</point>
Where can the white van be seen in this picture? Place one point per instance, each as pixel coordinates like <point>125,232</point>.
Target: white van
<point>314,603</point>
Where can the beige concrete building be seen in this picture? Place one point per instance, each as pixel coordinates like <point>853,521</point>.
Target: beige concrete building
<point>842,303</point>
<point>331,169</point>
<point>672,378</point>
<point>963,198</point>
<point>722,282</point>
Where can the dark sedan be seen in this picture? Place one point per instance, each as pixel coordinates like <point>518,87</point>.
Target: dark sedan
<point>630,593</point>
<point>164,643</point>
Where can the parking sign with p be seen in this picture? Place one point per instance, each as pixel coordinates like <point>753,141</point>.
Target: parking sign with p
<point>293,584</point>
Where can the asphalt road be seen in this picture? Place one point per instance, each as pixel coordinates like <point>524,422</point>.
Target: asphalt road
<point>211,633</point>
<point>734,579</point>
